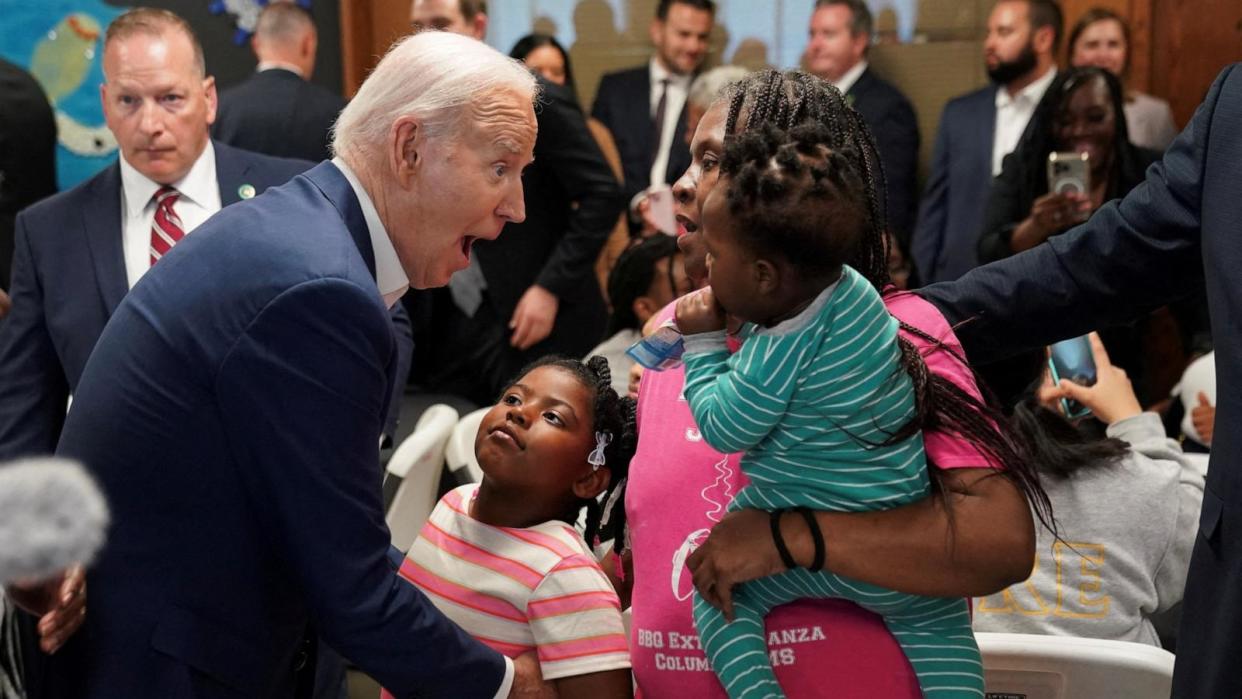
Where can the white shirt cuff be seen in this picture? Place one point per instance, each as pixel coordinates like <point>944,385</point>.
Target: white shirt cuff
<point>507,684</point>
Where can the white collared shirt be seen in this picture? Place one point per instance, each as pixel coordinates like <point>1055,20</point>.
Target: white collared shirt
<point>390,277</point>
<point>199,200</point>
<point>278,65</point>
<point>678,90</point>
<point>851,76</point>
<point>1013,112</point>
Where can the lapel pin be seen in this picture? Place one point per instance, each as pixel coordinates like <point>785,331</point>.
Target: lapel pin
<point>246,191</point>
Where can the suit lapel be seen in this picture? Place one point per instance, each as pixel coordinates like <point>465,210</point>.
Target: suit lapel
<point>101,221</point>
<point>329,179</point>
<point>986,119</point>
<point>231,173</point>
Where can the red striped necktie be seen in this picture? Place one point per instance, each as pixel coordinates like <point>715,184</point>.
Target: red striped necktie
<point>166,229</point>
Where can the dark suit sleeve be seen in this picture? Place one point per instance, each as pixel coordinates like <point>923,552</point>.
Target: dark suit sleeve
<point>301,394</point>
<point>33,388</point>
<point>899,150</point>
<point>403,331</point>
<point>1132,256</point>
<point>928,236</point>
<point>566,147</point>
<point>1004,211</point>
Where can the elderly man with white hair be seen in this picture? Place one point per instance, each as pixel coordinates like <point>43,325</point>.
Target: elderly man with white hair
<point>231,411</point>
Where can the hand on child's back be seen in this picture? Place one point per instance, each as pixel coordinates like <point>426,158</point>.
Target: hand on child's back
<point>699,313</point>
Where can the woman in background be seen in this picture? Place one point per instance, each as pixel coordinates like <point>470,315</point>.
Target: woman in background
<point>1101,38</point>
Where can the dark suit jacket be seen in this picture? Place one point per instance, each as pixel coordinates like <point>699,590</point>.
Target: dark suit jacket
<point>896,130</point>
<point>951,214</point>
<point>572,201</point>
<point>69,277</point>
<point>623,104</point>
<point>1156,245</point>
<point>231,414</point>
<point>27,153</point>
<point>278,113</point>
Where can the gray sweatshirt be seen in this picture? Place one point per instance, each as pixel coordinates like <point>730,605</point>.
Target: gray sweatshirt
<point>1127,531</point>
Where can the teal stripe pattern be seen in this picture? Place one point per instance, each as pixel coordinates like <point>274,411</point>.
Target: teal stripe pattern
<point>813,402</point>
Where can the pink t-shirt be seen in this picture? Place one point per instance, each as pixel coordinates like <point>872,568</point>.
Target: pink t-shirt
<point>680,487</point>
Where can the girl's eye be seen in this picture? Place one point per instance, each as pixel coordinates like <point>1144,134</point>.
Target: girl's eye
<point>511,399</point>
<point>554,419</point>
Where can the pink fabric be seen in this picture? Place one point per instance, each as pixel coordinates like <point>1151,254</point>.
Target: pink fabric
<point>679,488</point>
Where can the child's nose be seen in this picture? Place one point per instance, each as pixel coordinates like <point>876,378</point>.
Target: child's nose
<point>515,415</point>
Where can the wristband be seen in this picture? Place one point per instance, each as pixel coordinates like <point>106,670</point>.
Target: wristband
<point>817,536</point>
<point>774,520</point>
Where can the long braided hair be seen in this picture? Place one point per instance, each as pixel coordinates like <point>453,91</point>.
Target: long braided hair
<point>613,415</point>
<point>789,99</point>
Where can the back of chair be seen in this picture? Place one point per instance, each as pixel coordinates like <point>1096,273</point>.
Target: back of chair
<point>417,464</point>
<point>460,452</point>
<point>1067,667</point>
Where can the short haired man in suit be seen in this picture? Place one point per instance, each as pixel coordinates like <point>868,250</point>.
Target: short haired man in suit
<point>645,107</point>
<point>232,408</point>
<point>532,292</point>
<point>840,36</point>
<point>27,156</point>
<point>979,129</point>
<point>278,110</point>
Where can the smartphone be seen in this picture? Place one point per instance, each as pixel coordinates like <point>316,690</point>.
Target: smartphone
<point>1070,173</point>
<point>1073,360</point>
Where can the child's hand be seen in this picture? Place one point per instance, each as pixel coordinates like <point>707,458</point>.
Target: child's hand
<point>1203,417</point>
<point>1112,397</point>
<point>699,313</point>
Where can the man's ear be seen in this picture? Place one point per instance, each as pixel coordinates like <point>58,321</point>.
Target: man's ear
<point>478,26</point>
<point>1043,38</point>
<point>406,146</point>
<point>593,483</point>
<point>656,31</point>
<point>209,94</point>
<point>767,276</point>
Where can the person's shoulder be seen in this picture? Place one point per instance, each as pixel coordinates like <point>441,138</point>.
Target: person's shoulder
<point>881,87</point>
<point>68,202</point>
<point>275,166</point>
<point>985,95</point>
<point>626,78</point>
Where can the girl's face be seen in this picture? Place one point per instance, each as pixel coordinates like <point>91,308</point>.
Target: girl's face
<point>533,444</point>
<point>1103,45</point>
<point>1087,124</point>
<point>730,266</point>
<point>689,192</point>
<point>548,62</point>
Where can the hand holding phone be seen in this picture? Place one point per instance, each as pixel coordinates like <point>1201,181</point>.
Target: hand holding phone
<point>1109,395</point>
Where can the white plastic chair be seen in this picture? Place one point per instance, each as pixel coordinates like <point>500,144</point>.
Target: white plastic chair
<point>460,452</point>
<point>1067,667</point>
<point>416,465</point>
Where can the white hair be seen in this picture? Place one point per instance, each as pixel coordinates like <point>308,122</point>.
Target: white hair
<point>708,86</point>
<point>432,75</point>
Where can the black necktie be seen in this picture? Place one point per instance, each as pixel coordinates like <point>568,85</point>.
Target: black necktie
<point>657,126</point>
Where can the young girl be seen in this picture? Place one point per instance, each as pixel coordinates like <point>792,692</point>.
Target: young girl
<point>502,559</point>
<point>817,396</point>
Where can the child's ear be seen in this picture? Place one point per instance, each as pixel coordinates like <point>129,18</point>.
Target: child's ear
<point>767,276</point>
<point>593,483</point>
<point>643,307</point>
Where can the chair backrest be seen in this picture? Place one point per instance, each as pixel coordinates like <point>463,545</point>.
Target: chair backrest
<point>460,452</point>
<point>1066,667</point>
<point>417,464</point>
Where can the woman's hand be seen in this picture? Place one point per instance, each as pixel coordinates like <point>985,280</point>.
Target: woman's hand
<point>739,548</point>
<point>1050,214</point>
<point>699,313</point>
<point>1111,398</point>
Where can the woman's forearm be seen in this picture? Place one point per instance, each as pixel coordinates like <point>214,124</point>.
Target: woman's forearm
<point>983,543</point>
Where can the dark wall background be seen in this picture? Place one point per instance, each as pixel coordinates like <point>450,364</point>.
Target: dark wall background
<point>231,63</point>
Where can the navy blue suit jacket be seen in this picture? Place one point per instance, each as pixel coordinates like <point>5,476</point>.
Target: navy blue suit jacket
<point>945,241</point>
<point>623,104</point>
<point>1154,246</point>
<point>890,117</point>
<point>69,276</point>
<point>277,112</point>
<point>231,413</point>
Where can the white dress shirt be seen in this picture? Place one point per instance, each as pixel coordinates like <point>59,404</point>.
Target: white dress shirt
<point>1013,112</point>
<point>678,89</point>
<point>390,277</point>
<point>279,65</point>
<point>199,200</point>
<point>392,282</point>
<point>851,76</point>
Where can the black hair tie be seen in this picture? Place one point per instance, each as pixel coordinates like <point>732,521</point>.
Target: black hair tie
<point>774,520</point>
<point>817,536</point>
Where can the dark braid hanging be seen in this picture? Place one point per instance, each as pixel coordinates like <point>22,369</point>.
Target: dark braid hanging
<point>786,100</point>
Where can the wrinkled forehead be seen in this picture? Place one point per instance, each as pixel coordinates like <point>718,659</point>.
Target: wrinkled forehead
<point>505,120</point>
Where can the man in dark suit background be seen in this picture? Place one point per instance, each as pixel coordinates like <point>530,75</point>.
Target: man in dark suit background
<point>978,130</point>
<point>27,155</point>
<point>533,291</point>
<point>278,111</point>
<point>840,34</point>
<point>232,408</point>
<point>645,107</point>
<point>1158,244</point>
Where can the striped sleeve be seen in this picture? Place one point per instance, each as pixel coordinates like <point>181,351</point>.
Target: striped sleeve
<point>737,402</point>
<point>575,617</point>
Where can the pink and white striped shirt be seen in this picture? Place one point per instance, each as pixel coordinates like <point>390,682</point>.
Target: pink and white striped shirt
<point>518,590</point>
